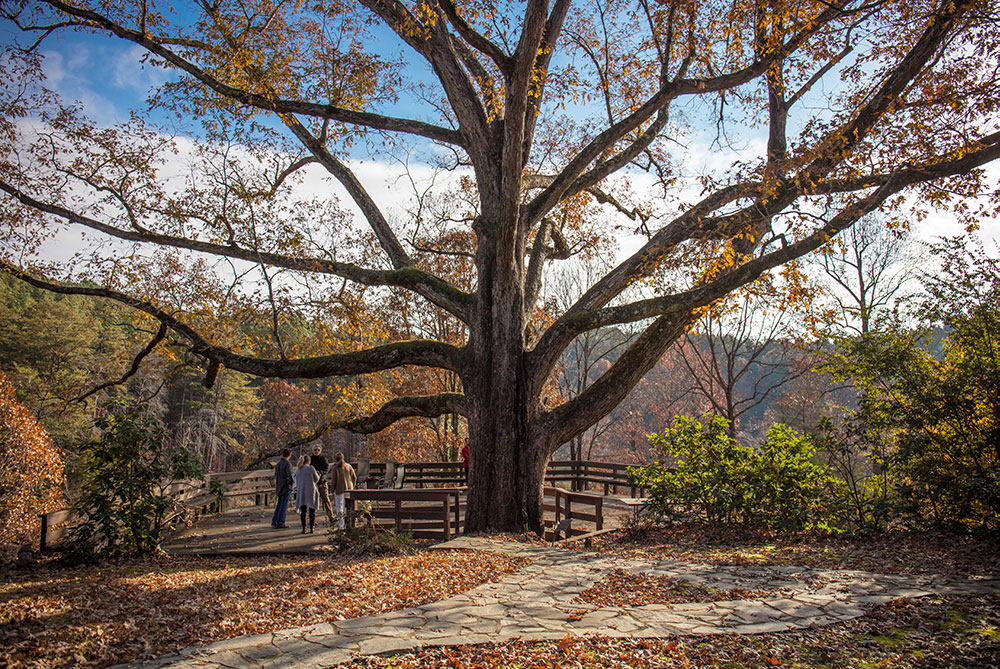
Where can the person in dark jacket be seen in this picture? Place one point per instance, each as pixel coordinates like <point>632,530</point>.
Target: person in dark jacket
<point>282,487</point>
<point>319,462</point>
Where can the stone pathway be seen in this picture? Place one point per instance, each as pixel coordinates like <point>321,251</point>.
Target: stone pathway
<point>537,603</point>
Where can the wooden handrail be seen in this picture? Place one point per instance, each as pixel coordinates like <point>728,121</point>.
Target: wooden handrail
<point>580,474</point>
<point>428,513</point>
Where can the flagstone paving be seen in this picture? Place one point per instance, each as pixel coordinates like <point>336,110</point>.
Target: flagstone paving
<point>539,602</point>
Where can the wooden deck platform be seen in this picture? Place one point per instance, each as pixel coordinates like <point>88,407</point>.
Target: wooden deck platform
<point>247,531</point>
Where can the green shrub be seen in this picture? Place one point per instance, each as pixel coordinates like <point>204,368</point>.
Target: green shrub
<point>123,506</point>
<point>704,474</point>
<point>794,490</point>
<point>860,457</point>
<point>929,391</point>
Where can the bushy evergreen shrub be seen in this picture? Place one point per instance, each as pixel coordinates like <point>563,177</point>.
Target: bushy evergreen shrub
<point>704,474</point>
<point>123,507</point>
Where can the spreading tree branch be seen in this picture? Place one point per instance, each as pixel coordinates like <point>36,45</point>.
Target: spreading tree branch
<point>435,290</point>
<point>161,334</point>
<point>435,44</point>
<point>421,352</point>
<point>417,406</point>
<point>572,179</point>
<point>674,313</point>
<point>478,41</point>
<point>158,48</point>
<point>386,237</point>
<point>838,143</point>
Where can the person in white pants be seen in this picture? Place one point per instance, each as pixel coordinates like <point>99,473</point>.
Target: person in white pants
<point>344,480</point>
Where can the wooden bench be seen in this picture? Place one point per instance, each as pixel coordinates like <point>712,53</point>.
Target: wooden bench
<point>636,504</point>
<point>577,507</point>
<point>430,513</point>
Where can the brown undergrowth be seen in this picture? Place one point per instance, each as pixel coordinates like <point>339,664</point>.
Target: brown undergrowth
<point>98,616</point>
<point>886,553</point>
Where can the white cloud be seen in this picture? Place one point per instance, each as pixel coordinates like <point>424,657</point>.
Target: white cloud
<point>54,68</point>
<point>71,73</point>
<point>130,72</point>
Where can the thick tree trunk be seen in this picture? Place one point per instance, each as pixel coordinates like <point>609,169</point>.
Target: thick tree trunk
<point>506,470</point>
<point>498,442</point>
<point>507,462</point>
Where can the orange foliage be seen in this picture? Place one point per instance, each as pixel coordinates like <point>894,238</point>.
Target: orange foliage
<point>31,473</point>
<point>410,440</point>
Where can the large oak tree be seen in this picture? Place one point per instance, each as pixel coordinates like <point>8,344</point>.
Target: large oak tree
<point>559,115</point>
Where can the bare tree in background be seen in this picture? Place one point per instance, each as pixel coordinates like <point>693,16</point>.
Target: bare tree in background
<point>587,357</point>
<point>869,266</point>
<point>744,351</point>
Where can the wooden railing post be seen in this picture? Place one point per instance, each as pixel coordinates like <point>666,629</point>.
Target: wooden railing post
<point>446,511</point>
<point>558,502</point>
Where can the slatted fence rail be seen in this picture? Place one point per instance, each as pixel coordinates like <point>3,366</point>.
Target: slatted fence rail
<point>258,484</point>
<point>434,474</point>
<point>198,497</point>
<point>611,476</point>
<point>576,507</point>
<point>193,496</point>
<point>428,513</point>
<point>581,474</point>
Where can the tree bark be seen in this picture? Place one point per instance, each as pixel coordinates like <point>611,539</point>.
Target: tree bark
<point>506,463</point>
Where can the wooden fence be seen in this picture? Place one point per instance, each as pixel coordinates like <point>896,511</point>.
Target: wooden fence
<point>612,477</point>
<point>199,496</point>
<point>439,513</point>
<point>428,513</point>
<point>193,498</point>
<point>434,474</point>
<point>581,474</point>
<point>576,508</point>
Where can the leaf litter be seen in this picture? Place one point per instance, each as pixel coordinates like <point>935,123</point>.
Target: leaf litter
<point>114,613</point>
<point>623,588</point>
<point>884,553</point>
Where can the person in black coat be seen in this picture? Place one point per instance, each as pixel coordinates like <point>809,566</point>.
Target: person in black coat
<point>282,487</point>
<point>320,463</point>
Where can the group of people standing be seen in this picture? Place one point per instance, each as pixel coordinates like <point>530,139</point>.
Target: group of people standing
<point>311,481</point>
